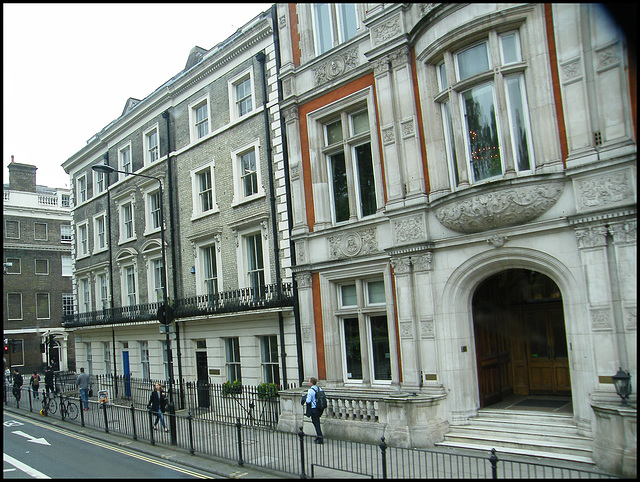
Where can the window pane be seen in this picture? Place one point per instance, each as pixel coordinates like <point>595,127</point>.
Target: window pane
<point>365,176</point>
<point>450,147</point>
<point>484,147</point>
<point>349,295</point>
<point>334,132</point>
<point>249,175</point>
<point>206,195</point>
<point>210,270</point>
<point>352,348</point>
<point>376,292</point>
<point>360,122</point>
<point>340,192</point>
<point>347,19</point>
<point>443,83</point>
<point>322,27</point>
<point>517,116</point>
<point>473,61</point>
<point>510,50</point>
<point>380,346</point>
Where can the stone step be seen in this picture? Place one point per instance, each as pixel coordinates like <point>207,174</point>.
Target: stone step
<point>511,415</point>
<point>566,435</point>
<point>528,452</point>
<point>543,427</point>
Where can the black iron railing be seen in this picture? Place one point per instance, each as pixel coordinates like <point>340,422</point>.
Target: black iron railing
<point>243,299</point>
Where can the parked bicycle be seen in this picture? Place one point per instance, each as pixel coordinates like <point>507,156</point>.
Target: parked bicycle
<point>68,409</point>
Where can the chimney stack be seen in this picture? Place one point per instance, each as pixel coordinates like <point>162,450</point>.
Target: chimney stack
<point>22,177</point>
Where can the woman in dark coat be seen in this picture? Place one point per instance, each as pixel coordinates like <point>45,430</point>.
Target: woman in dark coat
<point>157,404</point>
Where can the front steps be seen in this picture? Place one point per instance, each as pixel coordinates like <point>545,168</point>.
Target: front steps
<point>530,433</point>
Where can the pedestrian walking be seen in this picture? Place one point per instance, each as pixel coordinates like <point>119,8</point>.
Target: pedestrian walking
<point>48,380</point>
<point>312,410</point>
<point>157,404</point>
<point>34,381</point>
<point>83,382</point>
<point>17,384</point>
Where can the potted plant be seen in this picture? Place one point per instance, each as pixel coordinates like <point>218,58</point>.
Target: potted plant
<point>232,388</point>
<point>267,390</point>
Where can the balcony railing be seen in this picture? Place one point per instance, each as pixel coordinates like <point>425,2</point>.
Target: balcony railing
<point>243,299</point>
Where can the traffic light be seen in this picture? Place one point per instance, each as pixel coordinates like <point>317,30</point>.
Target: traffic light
<point>6,346</point>
<point>165,314</point>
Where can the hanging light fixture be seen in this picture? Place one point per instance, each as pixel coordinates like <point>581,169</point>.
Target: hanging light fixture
<point>622,382</point>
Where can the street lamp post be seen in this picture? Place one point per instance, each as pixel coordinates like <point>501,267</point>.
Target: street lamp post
<point>164,311</point>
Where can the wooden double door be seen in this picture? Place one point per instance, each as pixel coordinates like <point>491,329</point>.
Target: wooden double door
<point>520,340</point>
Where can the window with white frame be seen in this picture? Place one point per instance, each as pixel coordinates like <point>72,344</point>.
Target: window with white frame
<point>102,291</point>
<point>99,232</point>
<point>156,276</point>
<point>124,160</point>
<point>84,295</point>
<point>40,232</point>
<point>269,352</point>
<point>65,233</point>
<point>203,191</point>
<point>232,352</point>
<point>67,304</point>
<point>247,175</point>
<point>43,306</point>
<point>347,149</point>
<point>14,306</point>
<point>144,360</point>
<point>83,239</point>
<point>100,182</point>
<point>67,265</point>
<point>254,261</point>
<point>199,118</point>
<point>13,266</point>
<point>151,146</point>
<point>66,200</point>
<point>165,360</point>
<point>129,284</point>
<point>152,211</point>
<point>333,24</point>
<point>242,94</point>
<point>107,357</point>
<point>364,331</point>
<point>81,189</point>
<point>127,228</point>
<point>483,101</point>
<point>89,357</point>
<point>42,266</point>
<point>11,229</point>
<point>208,266</point>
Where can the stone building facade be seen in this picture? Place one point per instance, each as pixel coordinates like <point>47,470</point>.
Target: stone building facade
<point>210,138</point>
<point>464,193</point>
<point>36,287</point>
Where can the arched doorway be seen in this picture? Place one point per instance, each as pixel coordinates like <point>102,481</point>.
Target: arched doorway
<point>520,338</point>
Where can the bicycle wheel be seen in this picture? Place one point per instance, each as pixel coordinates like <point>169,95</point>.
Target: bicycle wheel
<point>72,410</point>
<point>52,406</point>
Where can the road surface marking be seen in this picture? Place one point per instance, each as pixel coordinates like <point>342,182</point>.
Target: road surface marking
<point>31,438</point>
<point>25,468</point>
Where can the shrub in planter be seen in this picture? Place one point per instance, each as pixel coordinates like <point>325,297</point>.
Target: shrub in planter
<point>234,387</point>
<point>267,390</point>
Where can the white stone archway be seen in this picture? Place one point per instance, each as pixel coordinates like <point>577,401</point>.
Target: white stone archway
<point>456,333</point>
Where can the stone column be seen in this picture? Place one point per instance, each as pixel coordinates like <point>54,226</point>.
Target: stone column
<point>307,323</point>
<point>294,150</point>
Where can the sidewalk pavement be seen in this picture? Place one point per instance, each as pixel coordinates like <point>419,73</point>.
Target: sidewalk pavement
<point>206,464</point>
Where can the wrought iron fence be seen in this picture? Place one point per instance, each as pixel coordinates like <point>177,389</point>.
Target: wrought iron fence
<point>296,454</point>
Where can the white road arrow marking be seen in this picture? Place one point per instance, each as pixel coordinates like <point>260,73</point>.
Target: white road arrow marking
<point>31,438</point>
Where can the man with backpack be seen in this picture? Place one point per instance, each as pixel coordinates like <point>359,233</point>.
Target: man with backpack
<point>316,402</point>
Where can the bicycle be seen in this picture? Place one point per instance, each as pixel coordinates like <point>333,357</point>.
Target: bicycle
<point>68,409</point>
<point>49,405</point>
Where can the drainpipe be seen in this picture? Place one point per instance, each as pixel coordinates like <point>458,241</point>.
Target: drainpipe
<point>167,117</point>
<point>113,331</point>
<point>261,57</point>
<point>287,182</point>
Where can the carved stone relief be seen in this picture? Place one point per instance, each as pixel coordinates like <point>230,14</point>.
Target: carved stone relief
<point>605,190</point>
<point>427,329</point>
<point>409,230</point>
<point>303,280</point>
<point>571,71</point>
<point>406,329</point>
<point>386,30</point>
<point>592,237</point>
<point>352,244</point>
<point>625,232</point>
<point>600,319</point>
<point>336,66</point>
<point>608,57</point>
<point>499,208</point>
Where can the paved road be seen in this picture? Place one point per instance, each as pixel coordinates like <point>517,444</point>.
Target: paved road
<point>34,449</point>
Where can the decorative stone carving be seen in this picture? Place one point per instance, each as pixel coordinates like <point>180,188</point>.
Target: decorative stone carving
<point>422,262</point>
<point>408,129</point>
<point>608,57</point>
<point>409,230</point>
<point>571,71</point>
<point>291,113</point>
<point>282,21</point>
<point>388,136</point>
<point>592,237</point>
<point>353,244</point>
<point>306,333</point>
<point>287,87</point>
<point>427,329</point>
<point>301,252</point>
<point>624,233</point>
<point>426,8</point>
<point>406,329</point>
<point>600,319</point>
<point>303,280</point>
<point>401,265</point>
<point>612,188</point>
<point>294,172</point>
<point>631,318</point>
<point>386,30</point>
<point>336,66</point>
<point>499,208</point>
<point>497,241</point>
